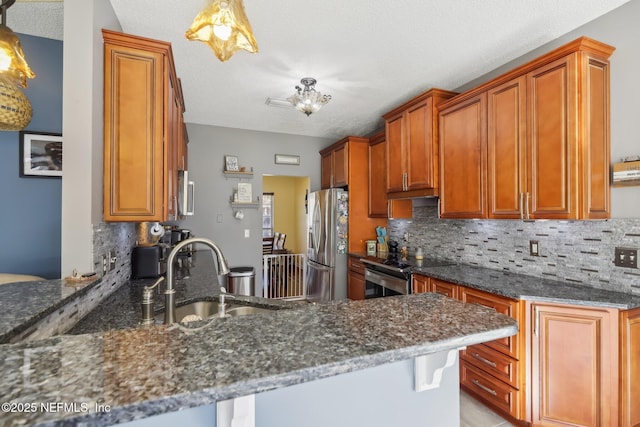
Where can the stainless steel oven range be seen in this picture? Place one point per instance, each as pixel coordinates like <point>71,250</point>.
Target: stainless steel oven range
<point>386,277</point>
<point>392,275</point>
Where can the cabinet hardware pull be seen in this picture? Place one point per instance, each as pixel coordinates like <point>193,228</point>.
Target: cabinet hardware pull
<point>520,206</point>
<point>536,314</point>
<point>485,388</point>
<point>527,205</point>
<point>442,293</point>
<point>175,207</point>
<point>405,182</point>
<point>484,360</point>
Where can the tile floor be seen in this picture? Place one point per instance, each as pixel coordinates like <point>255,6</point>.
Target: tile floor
<point>475,414</point>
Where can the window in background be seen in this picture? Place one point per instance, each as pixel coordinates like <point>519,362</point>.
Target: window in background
<point>267,214</point>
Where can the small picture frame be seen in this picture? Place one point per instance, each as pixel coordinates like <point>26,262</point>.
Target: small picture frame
<point>231,164</point>
<point>286,159</point>
<point>40,154</point>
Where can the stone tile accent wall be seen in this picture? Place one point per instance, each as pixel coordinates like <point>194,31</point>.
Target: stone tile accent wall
<point>573,251</point>
<point>117,237</point>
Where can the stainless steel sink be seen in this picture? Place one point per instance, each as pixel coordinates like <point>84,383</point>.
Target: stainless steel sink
<point>201,310</point>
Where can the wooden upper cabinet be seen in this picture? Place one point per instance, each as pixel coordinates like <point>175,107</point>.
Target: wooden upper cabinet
<point>463,156</point>
<point>553,153</point>
<point>506,149</point>
<point>349,160</point>
<point>379,205</point>
<point>548,149</point>
<point>142,126</point>
<point>335,166</point>
<point>412,146</point>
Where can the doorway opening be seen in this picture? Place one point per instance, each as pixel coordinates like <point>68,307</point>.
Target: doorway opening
<point>284,234</point>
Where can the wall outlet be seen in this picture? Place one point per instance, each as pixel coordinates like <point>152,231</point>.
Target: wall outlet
<point>534,248</point>
<point>626,257</point>
<point>104,263</point>
<point>111,259</point>
<point>247,233</point>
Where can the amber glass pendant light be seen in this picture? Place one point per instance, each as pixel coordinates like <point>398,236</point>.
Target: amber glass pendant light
<point>224,26</point>
<point>15,109</point>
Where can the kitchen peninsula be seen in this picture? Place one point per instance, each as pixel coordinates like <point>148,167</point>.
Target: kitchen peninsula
<point>327,349</point>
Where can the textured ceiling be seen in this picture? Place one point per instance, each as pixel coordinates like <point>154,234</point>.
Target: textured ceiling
<point>369,55</point>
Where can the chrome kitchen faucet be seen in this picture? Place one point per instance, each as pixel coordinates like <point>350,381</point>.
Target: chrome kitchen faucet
<point>170,302</point>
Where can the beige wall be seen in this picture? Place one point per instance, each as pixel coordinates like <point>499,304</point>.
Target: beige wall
<point>289,214</point>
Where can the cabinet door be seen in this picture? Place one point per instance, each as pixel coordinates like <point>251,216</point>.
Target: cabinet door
<point>395,154</point>
<point>421,153</point>
<point>171,149</point>
<point>553,155</point>
<point>341,166</point>
<point>377,175</point>
<point>463,158</point>
<point>419,284</point>
<point>596,151</point>
<point>355,288</point>
<point>133,134</point>
<point>574,364</point>
<point>506,145</point>
<point>630,369</point>
<point>326,171</point>
<point>379,206</point>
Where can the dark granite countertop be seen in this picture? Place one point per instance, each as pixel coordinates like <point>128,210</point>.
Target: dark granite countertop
<point>196,280</point>
<point>519,286</point>
<point>26,303</point>
<point>146,371</point>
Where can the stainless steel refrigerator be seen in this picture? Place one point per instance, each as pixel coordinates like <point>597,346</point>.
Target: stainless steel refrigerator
<point>327,224</point>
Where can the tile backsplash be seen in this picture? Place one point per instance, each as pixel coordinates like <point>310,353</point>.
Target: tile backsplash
<point>574,251</point>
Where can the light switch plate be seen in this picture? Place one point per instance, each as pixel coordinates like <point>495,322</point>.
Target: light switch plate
<point>534,248</point>
<point>247,233</point>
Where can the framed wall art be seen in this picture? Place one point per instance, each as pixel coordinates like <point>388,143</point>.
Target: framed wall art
<point>231,164</point>
<point>40,154</point>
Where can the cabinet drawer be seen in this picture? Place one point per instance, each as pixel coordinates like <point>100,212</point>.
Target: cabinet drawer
<point>488,389</point>
<point>502,367</point>
<point>444,288</point>
<point>355,265</point>
<point>509,307</point>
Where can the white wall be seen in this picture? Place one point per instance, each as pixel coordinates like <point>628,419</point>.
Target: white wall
<point>618,28</point>
<point>82,124</point>
<point>214,216</point>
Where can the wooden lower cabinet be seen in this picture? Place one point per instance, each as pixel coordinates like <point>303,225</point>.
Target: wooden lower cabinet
<point>355,282</point>
<point>420,284</point>
<point>499,396</point>
<point>630,368</point>
<point>444,288</point>
<point>574,366</point>
<point>494,372</point>
<point>567,366</point>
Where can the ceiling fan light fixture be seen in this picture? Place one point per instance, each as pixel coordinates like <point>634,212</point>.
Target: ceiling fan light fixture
<point>307,99</point>
<point>224,26</point>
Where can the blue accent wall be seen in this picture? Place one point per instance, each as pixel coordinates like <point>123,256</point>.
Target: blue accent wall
<point>30,208</point>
